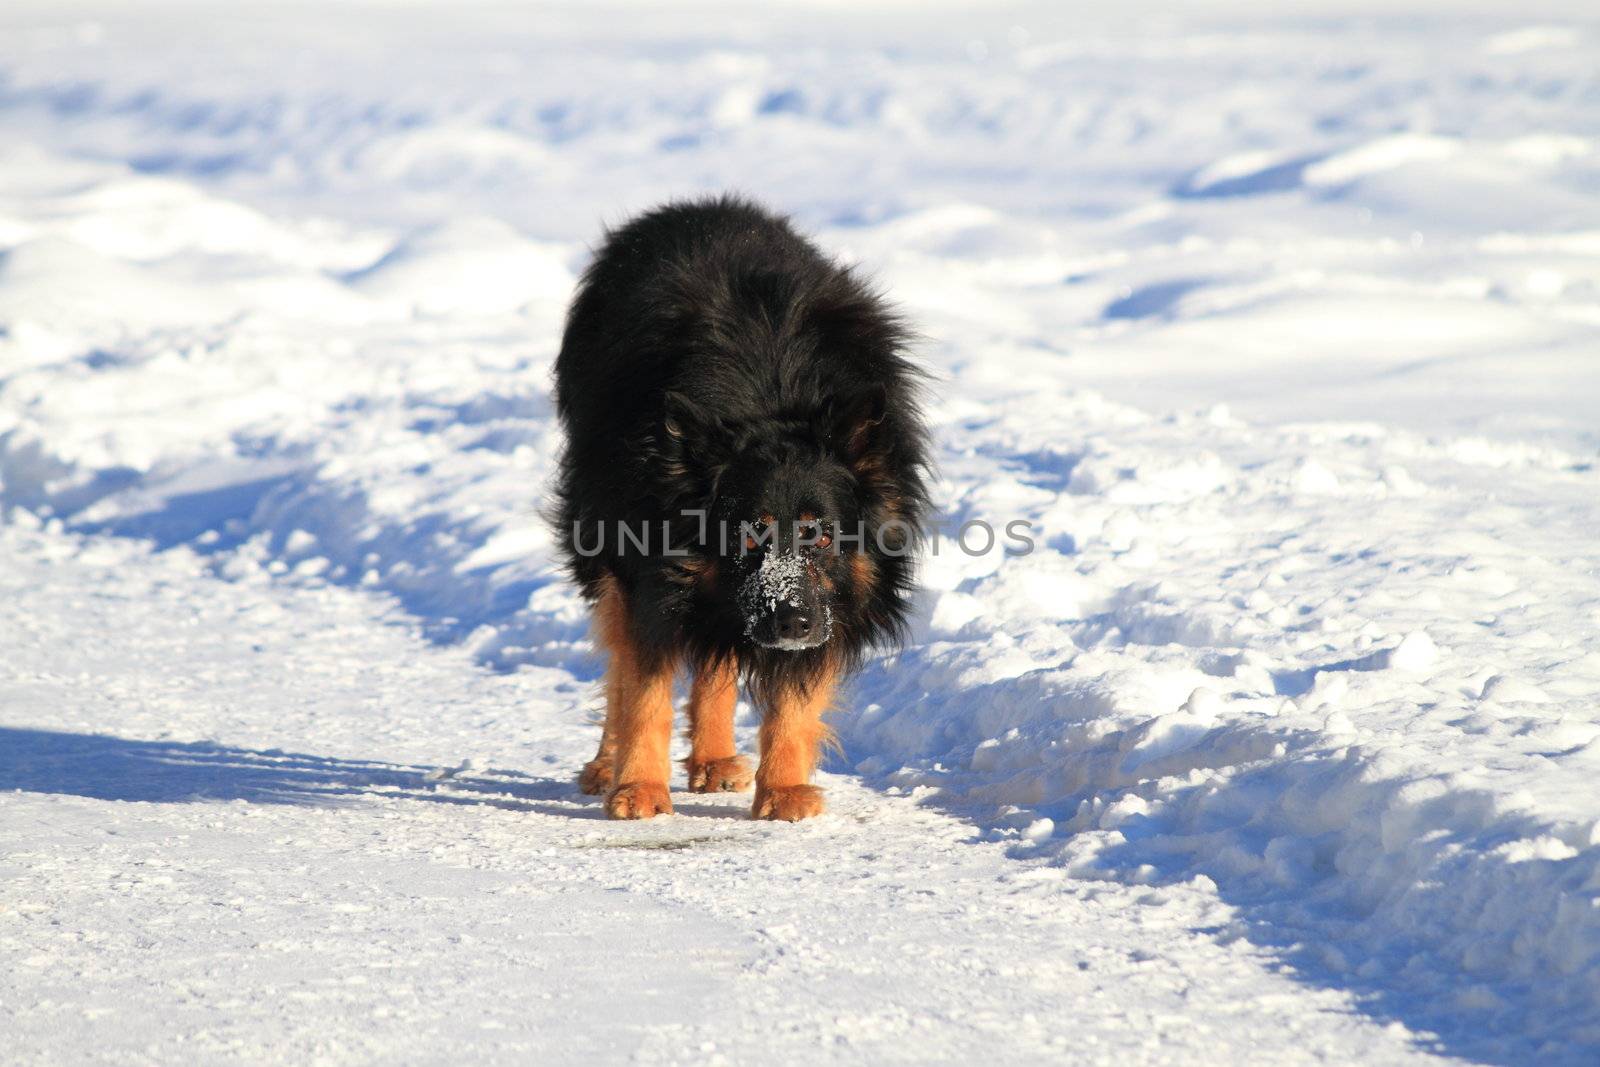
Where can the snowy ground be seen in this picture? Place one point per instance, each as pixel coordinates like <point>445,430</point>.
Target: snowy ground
<point>1281,747</point>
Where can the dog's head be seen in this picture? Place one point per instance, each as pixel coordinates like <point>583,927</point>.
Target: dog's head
<point>787,522</point>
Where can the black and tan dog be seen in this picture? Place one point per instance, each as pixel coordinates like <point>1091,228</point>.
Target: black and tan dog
<point>741,493</point>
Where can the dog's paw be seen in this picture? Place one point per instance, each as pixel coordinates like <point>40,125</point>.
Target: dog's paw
<point>596,776</point>
<point>787,803</point>
<point>639,800</point>
<point>731,774</point>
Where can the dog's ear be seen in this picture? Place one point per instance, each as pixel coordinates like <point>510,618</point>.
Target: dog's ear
<point>679,418</point>
<point>690,436</point>
<point>857,417</point>
<point>685,450</point>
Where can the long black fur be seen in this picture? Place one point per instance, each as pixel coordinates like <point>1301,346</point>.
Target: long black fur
<point>714,359</point>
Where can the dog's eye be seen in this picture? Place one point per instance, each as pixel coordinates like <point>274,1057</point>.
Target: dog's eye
<point>814,534</point>
<point>752,535</point>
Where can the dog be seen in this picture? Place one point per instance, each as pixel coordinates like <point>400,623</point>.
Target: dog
<point>742,493</point>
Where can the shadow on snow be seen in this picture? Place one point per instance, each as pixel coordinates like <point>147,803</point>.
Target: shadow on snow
<point>102,767</point>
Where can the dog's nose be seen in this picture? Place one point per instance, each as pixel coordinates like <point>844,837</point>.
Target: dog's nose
<point>793,624</point>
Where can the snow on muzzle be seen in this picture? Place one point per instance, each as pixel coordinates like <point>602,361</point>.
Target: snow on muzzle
<point>783,604</point>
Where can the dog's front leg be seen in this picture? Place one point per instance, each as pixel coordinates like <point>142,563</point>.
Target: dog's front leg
<point>644,739</point>
<point>638,716</point>
<point>792,732</point>
<point>714,765</point>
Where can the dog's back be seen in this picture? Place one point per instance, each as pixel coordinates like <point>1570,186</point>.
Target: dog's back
<point>722,268</point>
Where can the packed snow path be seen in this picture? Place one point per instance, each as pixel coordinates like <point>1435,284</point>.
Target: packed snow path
<point>1281,744</point>
<point>262,824</point>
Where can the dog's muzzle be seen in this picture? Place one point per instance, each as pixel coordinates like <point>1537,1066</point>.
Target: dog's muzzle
<point>782,608</point>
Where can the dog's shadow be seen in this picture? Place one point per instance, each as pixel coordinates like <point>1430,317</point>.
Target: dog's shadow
<point>102,767</point>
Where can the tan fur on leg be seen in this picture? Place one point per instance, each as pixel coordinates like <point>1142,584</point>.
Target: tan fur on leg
<point>598,773</point>
<point>638,718</point>
<point>714,765</point>
<point>792,732</point>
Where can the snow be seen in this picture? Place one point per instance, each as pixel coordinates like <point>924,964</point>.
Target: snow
<point>1277,327</point>
<point>263,820</point>
<point>464,266</point>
